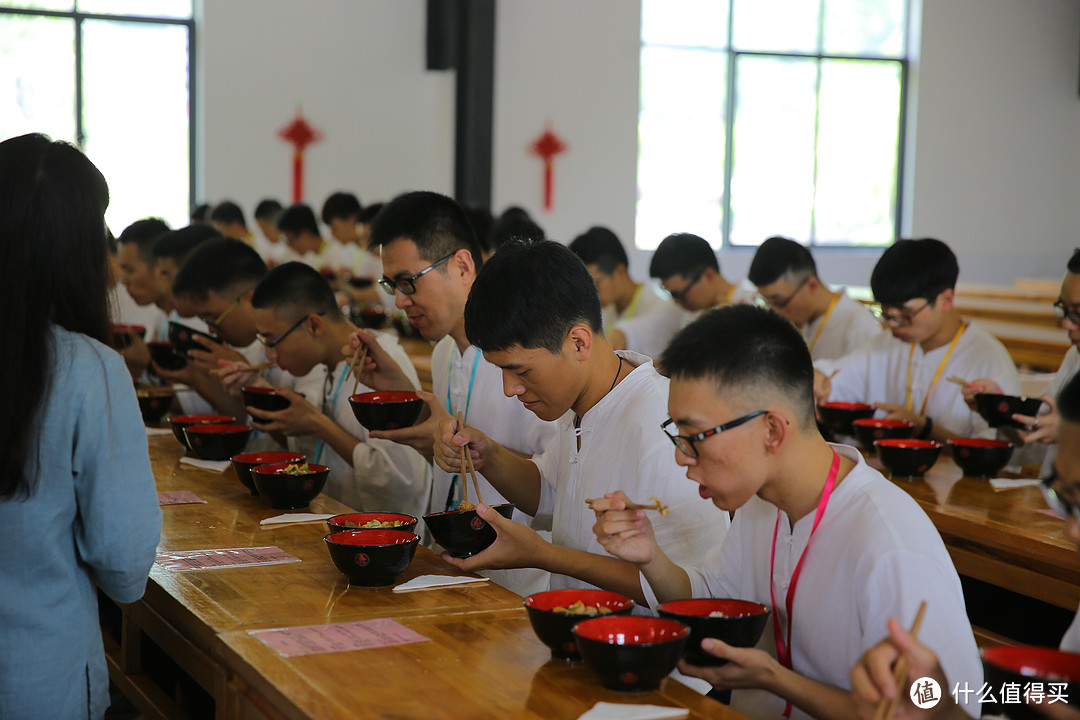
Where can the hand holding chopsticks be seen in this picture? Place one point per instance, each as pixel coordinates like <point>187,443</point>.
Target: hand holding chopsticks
<point>356,367</point>
<point>467,463</point>
<point>887,707</point>
<point>657,505</point>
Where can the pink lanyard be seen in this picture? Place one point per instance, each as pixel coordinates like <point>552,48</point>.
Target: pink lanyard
<point>783,650</point>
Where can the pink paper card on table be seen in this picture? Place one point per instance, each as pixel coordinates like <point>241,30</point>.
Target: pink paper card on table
<point>228,557</point>
<point>178,497</point>
<point>314,639</point>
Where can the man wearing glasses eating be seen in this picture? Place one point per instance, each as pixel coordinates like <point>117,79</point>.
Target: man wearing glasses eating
<point>905,372</point>
<point>687,268</point>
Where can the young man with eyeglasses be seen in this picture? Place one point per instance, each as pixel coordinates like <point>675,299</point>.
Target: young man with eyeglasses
<point>430,257</point>
<point>906,372</point>
<point>687,268</point>
<point>1043,428</point>
<point>218,280</point>
<point>829,544</point>
<point>872,676</point>
<point>832,324</point>
<point>636,316</point>
<point>535,314</point>
<point>299,322</point>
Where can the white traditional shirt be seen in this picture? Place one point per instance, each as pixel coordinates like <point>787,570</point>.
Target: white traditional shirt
<point>382,475</point>
<point>330,256</point>
<point>649,322</point>
<point>878,372</point>
<point>503,419</point>
<point>847,328</point>
<point>272,253</point>
<point>1070,642</point>
<point>125,311</point>
<point>623,448</point>
<point>1070,364</point>
<point>875,556</point>
<point>743,292</point>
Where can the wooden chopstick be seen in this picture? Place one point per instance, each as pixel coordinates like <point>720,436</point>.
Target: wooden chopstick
<point>657,505</point>
<point>472,473</point>
<point>260,366</point>
<point>957,380</point>
<point>887,707</point>
<point>464,466</point>
<point>357,366</point>
<point>833,373</point>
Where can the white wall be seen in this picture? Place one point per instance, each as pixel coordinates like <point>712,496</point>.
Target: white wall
<point>995,161</point>
<point>356,66</point>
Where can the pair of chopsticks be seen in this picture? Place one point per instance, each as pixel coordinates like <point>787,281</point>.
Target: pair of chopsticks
<point>466,462</point>
<point>957,380</point>
<point>356,366</point>
<point>260,366</point>
<point>657,505</point>
<point>887,707</point>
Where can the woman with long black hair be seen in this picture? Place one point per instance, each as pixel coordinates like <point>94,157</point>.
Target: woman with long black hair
<point>78,506</point>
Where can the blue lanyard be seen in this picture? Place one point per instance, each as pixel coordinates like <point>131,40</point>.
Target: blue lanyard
<point>451,504</point>
<point>333,404</point>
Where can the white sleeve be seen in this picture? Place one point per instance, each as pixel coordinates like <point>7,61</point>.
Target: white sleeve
<point>547,463</point>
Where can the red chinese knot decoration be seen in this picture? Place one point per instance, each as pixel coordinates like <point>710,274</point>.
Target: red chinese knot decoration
<point>547,146</point>
<point>299,133</point>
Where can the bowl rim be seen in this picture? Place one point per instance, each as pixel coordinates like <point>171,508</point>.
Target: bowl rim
<point>195,419</point>
<point>882,423</point>
<point>845,405</point>
<point>1021,398</point>
<point>258,469</point>
<point>974,442</point>
<point>762,608</point>
<point>260,390</point>
<point>989,656</point>
<point>411,540</point>
<point>627,602</point>
<point>218,428</point>
<point>682,628</point>
<point>399,396</point>
<point>909,443</point>
<point>459,512</point>
<point>236,458</point>
<point>398,516</point>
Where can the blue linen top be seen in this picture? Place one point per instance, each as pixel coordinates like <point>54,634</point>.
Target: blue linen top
<point>92,517</point>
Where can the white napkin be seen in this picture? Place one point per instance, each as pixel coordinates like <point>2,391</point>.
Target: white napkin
<point>215,465</point>
<point>427,582</point>
<point>294,518</point>
<point>622,711</point>
<point>153,432</point>
<point>1009,483</point>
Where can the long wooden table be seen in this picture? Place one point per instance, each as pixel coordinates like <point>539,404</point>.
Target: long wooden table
<point>184,650</point>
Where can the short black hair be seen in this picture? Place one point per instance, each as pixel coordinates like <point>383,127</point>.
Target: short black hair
<point>228,212</point>
<point>514,224</point>
<point>297,289</point>
<point>298,218</point>
<point>1068,400</point>
<point>780,256</point>
<point>482,222</point>
<point>682,254</point>
<point>144,233</point>
<point>530,293</point>
<point>769,354</point>
<point>1074,262</point>
<point>599,246</point>
<point>267,209</point>
<point>369,212</point>
<point>218,266</point>
<point>910,269</point>
<point>341,205</point>
<point>179,244</point>
<point>200,213</point>
<point>435,223</point>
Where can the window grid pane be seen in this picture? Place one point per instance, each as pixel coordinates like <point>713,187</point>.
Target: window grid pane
<point>37,76</point>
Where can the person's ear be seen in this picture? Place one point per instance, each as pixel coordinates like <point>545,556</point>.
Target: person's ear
<point>944,300</point>
<point>463,264</point>
<point>317,323</point>
<point>777,428</point>
<point>580,340</point>
<point>812,283</point>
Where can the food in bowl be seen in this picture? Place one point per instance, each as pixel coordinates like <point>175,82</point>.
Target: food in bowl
<point>739,623</point>
<point>289,490</point>
<point>244,462</point>
<point>371,520</point>
<point>554,613</point>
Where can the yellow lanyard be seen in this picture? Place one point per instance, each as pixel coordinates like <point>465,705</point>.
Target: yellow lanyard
<point>730,294</point>
<point>825,319</point>
<point>937,374</point>
<point>632,308</point>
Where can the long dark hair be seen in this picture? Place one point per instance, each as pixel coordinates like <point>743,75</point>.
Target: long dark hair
<point>52,270</point>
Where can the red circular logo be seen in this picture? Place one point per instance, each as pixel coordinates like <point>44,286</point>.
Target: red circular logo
<point>628,678</point>
<point>923,468</point>
<point>477,523</point>
<point>309,483</point>
<point>964,452</point>
<point>569,647</point>
<point>361,559</point>
<point>1003,407</point>
<point>879,433</point>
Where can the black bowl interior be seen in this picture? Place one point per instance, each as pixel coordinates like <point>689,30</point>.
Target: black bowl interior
<point>908,458</point>
<point>217,442</point>
<point>463,533</point>
<point>554,613</point>
<point>243,463</point>
<point>386,410</point>
<point>372,558</point>
<point>739,623</point>
<point>374,520</point>
<point>998,409</point>
<point>631,653</point>
<point>981,457</point>
<point>179,422</point>
<point>288,491</point>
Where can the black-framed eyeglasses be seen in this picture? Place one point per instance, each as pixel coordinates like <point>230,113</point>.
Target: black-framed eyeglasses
<point>781,304</point>
<point>1064,312</point>
<point>685,443</point>
<point>680,294</point>
<point>274,343</point>
<point>900,319</point>
<point>1057,502</point>
<point>407,285</point>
